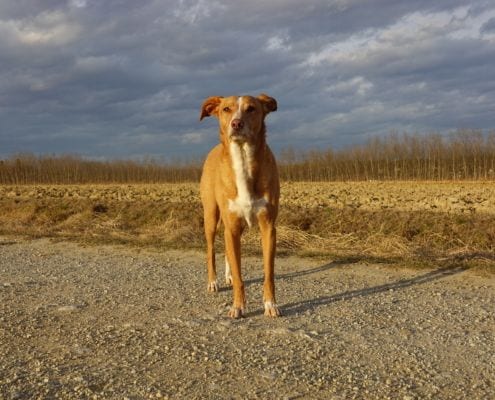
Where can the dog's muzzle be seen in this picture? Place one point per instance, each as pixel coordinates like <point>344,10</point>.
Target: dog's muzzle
<point>237,132</point>
<point>237,124</point>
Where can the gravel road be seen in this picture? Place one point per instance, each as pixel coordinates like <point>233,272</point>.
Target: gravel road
<point>112,323</point>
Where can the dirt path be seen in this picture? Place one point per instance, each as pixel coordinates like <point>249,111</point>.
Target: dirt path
<point>113,323</point>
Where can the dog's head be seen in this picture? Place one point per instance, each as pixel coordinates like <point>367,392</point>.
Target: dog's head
<point>241,119</point>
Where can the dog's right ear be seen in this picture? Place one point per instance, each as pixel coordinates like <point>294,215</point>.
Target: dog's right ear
<point>210,106</point>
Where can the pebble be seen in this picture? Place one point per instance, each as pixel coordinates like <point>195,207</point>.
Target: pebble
<point>68,309</point>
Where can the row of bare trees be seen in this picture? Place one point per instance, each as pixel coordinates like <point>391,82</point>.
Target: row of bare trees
<point>464,155</point>
<point>30,169</point>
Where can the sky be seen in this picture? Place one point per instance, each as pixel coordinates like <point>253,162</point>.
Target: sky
<point>109,79</point>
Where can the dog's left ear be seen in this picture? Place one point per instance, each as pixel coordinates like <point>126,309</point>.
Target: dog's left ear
<point>269,103</point>
<point>210,106</point>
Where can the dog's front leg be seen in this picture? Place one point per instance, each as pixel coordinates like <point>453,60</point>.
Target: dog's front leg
<point>211,215</point>
<point>233,231</point>
<point>268,241</point>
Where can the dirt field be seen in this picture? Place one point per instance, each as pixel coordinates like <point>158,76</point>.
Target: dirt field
<point>407,196</point>
<point>112,322</point>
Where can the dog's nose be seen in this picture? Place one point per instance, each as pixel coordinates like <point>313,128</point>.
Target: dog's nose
<point>237,124</point>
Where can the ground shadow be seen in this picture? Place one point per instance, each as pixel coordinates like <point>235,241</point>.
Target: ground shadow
<point>311,304</point>
<point>344,261</point>
<point>296,274</point>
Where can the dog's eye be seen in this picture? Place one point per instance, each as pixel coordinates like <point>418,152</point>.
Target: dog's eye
<point>250,109</point>
<point>226,109</point>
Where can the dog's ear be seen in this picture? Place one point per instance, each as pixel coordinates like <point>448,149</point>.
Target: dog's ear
<point>269,103</point>
<point>210,106</point>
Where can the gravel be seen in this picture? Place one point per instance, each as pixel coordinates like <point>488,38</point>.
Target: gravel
<point>110,322</point>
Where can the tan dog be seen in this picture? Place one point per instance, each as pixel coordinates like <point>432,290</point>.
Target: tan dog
<point>240,184</point>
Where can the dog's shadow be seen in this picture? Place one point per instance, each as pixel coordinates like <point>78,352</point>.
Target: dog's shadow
<point>295,308</point>
<point>310,271</point>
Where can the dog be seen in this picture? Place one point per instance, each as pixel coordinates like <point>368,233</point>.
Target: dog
<point>240,184</point>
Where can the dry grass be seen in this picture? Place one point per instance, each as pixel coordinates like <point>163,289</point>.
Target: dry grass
<point>421,222</point>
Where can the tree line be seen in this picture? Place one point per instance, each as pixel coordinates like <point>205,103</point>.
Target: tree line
<point>70,169</point>
<point>464,155</point>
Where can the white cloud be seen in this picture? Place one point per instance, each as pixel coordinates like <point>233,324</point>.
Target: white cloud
<point>47,28</point>
<point>278,43</point>
<point>78,3</point>
<point>414,31</point>
<point>356,85</point>
<point>193,11</point>
<point>192,138</point>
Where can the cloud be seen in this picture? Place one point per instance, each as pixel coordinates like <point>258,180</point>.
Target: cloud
<point>192,138</point>
<point>123,78</point>
<point>78,3</point>
<point>414,34</point>
<point>48,28</point>
<point>280,42</point>
<point>351,87</point>
<point>488,26</point>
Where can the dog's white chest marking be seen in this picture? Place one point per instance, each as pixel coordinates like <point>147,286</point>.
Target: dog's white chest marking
<point>244,205</point>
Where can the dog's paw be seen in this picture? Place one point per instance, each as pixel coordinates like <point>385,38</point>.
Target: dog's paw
<point>228,280</point>
<point>213,286</point>
<point>236,312</point>
<point>272,310</point>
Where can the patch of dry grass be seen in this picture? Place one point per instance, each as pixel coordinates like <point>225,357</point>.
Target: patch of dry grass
<point>376,220</point>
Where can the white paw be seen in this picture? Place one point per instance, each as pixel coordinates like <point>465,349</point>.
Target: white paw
<point>213,286</point>
<point>271,309</point>
<point>236,312</point>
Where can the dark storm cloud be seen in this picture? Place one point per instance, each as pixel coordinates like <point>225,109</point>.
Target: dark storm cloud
<point>125,78</point>
<point>488,26</point>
